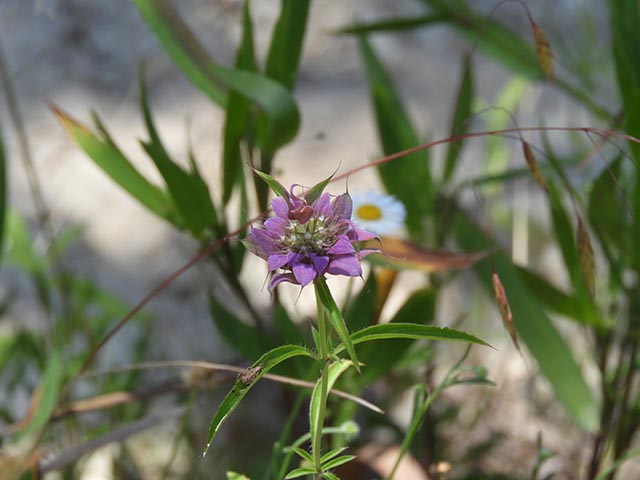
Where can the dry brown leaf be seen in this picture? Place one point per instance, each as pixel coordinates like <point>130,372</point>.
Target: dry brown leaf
<point>400,254</point>
<point>533,165</point>
<point>505,309</point>
<point>587,261</point>
<point>543,49</point>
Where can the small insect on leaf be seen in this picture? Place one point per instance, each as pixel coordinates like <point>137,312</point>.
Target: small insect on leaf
<point>533,165</point>
<point>543,50</point>
<point>249,375</point>
<point>587,262</point>
<point>505,309</point>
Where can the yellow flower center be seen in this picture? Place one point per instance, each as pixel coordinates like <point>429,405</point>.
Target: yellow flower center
<point>369,212</point>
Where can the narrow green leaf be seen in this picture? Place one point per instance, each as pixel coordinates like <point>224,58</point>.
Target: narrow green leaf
<point>236,476</point>
<point>188,190</point>
<point>245,382</point>
<point>300,472</point>
<point>281,116</point>
<point>336,462</point>
<point>459,124</point>
<point>409,177</point>
<point>113,162</point>
<point>336,319</point>
<point>314,192</point>
<point>330,476</point>
<point>248,340</point>
<point>286,43</point>
<point>414,331</point>
<point>302,454</point>
<point>332,454</point>
<point>239,124</point>
<point>274,185</point>
<point>418,309</point>
<point>48,392</point>
<point>335,370</point>
<point>534,328</point>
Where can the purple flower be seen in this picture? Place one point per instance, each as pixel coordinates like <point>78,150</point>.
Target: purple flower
<point>305,240</point>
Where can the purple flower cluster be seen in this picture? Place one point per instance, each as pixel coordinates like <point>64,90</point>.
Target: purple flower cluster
<point>306,240</point>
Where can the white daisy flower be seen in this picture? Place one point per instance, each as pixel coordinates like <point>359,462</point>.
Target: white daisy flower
<point>377,213</point>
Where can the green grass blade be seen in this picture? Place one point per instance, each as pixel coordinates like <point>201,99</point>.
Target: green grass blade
<point>49,390</point>
<point>551,297</point>
<point>625,30</point>
<point>244,383</point>
<point>188,190</point>
<point>113,162</point>
<point>534,327</point>
<point>239,123</point>
<point>287,40</point>
<point>336,319</point>
<point>393,24</point>
<point>409,177</point>
<point>460,124</point>
<point>413,331</point>
<point>335,370</point>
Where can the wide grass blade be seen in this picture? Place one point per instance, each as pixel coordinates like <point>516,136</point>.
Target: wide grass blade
<point>409,177</point>
<point>535,329</point>
<point>286,43</point>
<point>281,117</point>
<point>103,151</point>
<point>247,380</point>
<point>188,190</point>
<point>460,123</point>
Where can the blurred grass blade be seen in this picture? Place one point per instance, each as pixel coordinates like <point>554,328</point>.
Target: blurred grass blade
<point>551,297</point>
<point>3,194</point>
<point>543,50</point>
<point>535,329</point>
<point>625,30</point>
<point>530,158</point>
<point>247,380</point>
<point>188,190</point>
<point>335,318</point>
<point>287,40</point>
<point>182,47</point>
<point>45,398</point>
<point>335,370</point>
<point>414,331</point>
<point>460,123</point>
<point>239,124</point>
<point>248,340</point>
<point>392,24</point>
<point>505,310</point>
<point>281,117</point>
<point>409,177</point>
<point>113,162</point>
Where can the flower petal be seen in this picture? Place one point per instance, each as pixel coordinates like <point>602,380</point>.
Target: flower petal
<point>323,205</point>
<point>280,207</point>
<point>276,225</point>
<point>304,273</point>
<point>356,234</point>
<point>278,260</point>
<point>342,206</point>
<point>320,263</point>
<point>348,265</point>
<point>281,277</point>
<point>262,241</point>
<point>342,247</point>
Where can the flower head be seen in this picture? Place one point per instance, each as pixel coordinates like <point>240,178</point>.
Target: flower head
<point>378,213</point>
<point>309,236</point>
